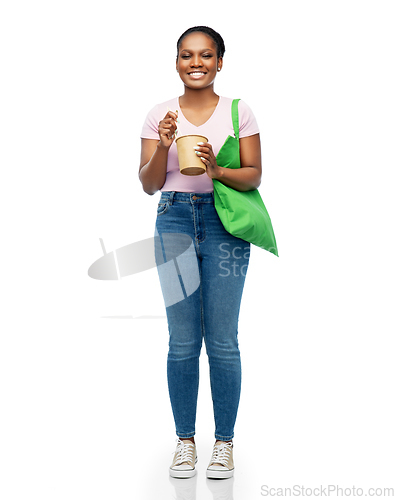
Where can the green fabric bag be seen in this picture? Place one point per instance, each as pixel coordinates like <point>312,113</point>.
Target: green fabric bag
<point>242,213</point>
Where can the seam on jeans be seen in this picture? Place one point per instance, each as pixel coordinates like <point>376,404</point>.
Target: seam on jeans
<point>200,202</point>
<point>194,227</point>
<point>167,198</point>
<point>184,436</point>
<point>164,207</point>
<point>203,226</point>
<point>196,213</point>
<point>224,438</point>
<point>163,248</point>
<point>202,329</point>
<point>173,197</point>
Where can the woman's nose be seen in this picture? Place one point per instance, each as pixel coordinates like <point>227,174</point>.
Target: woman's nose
<point>195,61</point>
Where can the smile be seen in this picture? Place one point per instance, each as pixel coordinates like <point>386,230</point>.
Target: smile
<point>197,74</point>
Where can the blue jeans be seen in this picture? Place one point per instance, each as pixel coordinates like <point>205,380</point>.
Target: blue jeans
<point>202,271</point>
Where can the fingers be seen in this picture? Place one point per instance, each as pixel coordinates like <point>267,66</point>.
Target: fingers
<point>172,114</point>
<point>205,145</point>
<point>168,123</point>
<point>168,127</point>
<point>172,119</point>
<point>205,151</point>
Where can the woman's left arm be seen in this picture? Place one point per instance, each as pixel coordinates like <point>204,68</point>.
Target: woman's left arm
<point>246,178</point>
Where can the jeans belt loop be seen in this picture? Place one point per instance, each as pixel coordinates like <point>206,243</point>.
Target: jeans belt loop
<point>171,197</point>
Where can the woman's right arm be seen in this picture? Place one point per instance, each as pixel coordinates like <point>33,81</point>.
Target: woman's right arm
<point>153,163</point>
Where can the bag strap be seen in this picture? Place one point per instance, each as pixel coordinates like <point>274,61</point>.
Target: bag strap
<point>235,117</point>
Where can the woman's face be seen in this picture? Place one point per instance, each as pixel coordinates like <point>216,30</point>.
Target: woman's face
<point>197,62</point>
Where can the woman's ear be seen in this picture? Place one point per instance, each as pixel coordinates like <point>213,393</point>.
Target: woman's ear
<point>177,64</point>
<point>220,63</point>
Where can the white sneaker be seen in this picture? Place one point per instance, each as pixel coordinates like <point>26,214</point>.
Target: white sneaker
<point>185,458</point>
<point>221,465</point>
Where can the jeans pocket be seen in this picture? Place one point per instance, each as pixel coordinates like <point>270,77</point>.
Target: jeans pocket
<point>162,208</point>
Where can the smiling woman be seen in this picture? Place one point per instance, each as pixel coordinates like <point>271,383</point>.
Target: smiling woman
<point>187,207</point>
<point>200,53</point>
<point>195,60</point>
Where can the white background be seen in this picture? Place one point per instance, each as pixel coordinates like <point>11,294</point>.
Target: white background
<point>85,410</point>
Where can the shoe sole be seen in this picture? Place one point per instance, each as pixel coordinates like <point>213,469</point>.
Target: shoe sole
<point>219,474</point>
<point>183,474</point>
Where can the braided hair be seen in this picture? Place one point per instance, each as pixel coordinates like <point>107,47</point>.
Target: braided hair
<point>216,37</point>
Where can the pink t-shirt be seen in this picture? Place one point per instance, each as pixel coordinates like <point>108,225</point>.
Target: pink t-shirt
<point>216,129</point>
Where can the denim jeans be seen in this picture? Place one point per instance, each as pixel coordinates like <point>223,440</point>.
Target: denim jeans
<point>202,271</point>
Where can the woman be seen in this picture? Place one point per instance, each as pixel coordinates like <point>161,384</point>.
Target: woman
<point>186,207</point>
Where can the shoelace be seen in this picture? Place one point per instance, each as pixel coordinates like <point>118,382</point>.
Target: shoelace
<point>184,452</point>
<point>221,454</point>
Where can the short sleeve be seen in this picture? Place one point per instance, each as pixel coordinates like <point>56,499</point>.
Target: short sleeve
<point>150,127</point>
<point>247,122</point>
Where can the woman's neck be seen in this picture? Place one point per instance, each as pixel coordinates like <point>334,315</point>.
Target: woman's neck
<point>199,98</point>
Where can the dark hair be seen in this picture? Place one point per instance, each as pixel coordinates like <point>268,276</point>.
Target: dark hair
<point>216,37</point>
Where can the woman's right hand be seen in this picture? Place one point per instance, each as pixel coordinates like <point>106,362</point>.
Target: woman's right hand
<point>167,129</point>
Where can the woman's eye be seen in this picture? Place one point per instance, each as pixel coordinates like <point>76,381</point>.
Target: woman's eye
<point>187,56</point>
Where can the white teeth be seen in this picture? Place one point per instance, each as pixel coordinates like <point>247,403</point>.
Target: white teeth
<point>198,73</point>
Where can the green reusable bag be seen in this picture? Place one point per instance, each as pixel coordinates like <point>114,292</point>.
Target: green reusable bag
<point>242,213</point>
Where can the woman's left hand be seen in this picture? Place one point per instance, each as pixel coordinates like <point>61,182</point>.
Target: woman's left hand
<point>205,152</point>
